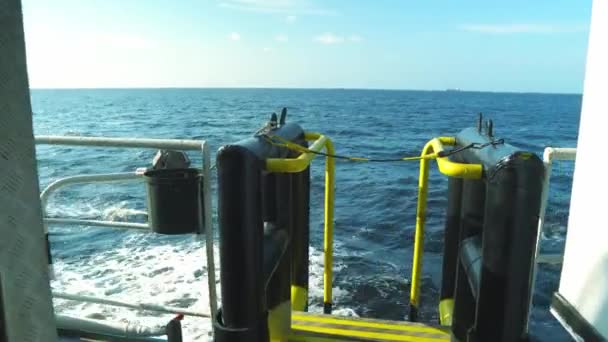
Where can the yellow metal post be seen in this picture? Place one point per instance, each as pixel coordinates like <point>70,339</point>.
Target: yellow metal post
<point>430,151</point>
<point>300,164</point>
<point>419,235</point>
<point>446,308</point>
<point>299,298</point>
<point>449,168</point>
<point>279,322</point>
<point>328,244</point>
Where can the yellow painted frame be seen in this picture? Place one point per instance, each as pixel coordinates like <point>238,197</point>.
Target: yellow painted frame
<point>299,164</point>
<point>429,152</point>
<point>448,168</point>
<point>325,328</point>
<point>446,308</point>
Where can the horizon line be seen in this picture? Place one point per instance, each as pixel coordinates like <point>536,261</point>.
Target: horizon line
<point>447,90</point>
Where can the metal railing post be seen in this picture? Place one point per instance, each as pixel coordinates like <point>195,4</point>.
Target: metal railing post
<point>328,235</point>
<point>209,228</point>
<point>549,155</point>
<point>448,168</point>
<point>175,144</point>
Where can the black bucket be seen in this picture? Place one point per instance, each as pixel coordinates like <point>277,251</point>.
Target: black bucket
<point>175,201</point>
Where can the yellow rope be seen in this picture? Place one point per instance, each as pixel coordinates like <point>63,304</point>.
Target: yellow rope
<point>301,149</point>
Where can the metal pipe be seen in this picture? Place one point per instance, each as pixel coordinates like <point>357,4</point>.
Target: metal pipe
<point>110,177</point>
<point>175,144</point>
<point>95,178</point>
<point>209,228</point>
<point>99,223</point>
<point>136,306</point>
<point>201,146</point>
<point>293,165</point>
<point>419,234</point>
<point>46,193</point>
<point>328,236</point>
<point>101,329</point>
<point>548,164</point>
<point>448,168</point>
<point>303,161</point>
<point>561,153</point>
<point>550,154</point>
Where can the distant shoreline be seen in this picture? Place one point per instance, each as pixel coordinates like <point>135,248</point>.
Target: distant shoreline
<point>450,91</point>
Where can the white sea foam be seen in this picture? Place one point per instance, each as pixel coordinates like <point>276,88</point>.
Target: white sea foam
<point>135,271</point>
<point>121,212</point>
<point>172,275</point>
<point>166,275</point>
<point>117,212</point>
<point>73,210</point>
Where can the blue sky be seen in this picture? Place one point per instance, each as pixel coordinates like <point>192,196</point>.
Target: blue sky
<point>472,45</point>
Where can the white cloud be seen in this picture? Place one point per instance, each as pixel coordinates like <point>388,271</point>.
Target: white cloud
<point>234,36</point>
<point>290,19</point>
<point>267,49</point>
<point>329,38</point>
<point>281,38</point>
<point>276,6</point>
<point>521,28</point>
<point>355,38</point>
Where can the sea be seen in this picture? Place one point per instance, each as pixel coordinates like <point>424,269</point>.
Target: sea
<point>375,202</point>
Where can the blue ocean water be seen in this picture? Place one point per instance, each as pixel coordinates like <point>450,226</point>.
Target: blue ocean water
<point>375,203</point>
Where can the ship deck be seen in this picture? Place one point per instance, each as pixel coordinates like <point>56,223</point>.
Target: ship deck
<point>317,327</point>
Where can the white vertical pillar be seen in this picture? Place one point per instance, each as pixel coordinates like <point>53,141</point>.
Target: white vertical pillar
<point>27,312</point>
<point>584,279</point>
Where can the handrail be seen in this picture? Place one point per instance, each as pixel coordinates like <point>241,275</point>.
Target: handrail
<point>448,168</point>
<point>549,155</point>
<point>293,165</point>
<point>84,179</point>
<point>177,144</point>
<point>136,306</point>
<point>299,164</point>
<point>113,331</point>
<point>142,227</point>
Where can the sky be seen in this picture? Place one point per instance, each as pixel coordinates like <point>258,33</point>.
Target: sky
<point>521,46</point>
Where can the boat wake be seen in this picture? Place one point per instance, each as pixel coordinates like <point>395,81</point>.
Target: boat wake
<point>139,270</point>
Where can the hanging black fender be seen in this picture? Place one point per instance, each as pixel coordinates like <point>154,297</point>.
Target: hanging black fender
<point>490,237</point>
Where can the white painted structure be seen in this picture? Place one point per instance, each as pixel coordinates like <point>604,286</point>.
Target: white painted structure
<point>550,155</point>
<point>26,311</point>
<point>584,279</point>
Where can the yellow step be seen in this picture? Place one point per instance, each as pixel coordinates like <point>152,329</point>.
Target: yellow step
<point>310,327</point>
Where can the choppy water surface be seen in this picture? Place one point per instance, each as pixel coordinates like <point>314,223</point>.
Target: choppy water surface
<point>375,203</point>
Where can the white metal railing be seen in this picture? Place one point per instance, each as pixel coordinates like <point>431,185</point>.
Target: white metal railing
<point>550,154</point>
<point>86,179</point>
<point>183,145</point>
<point>136,306</point>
